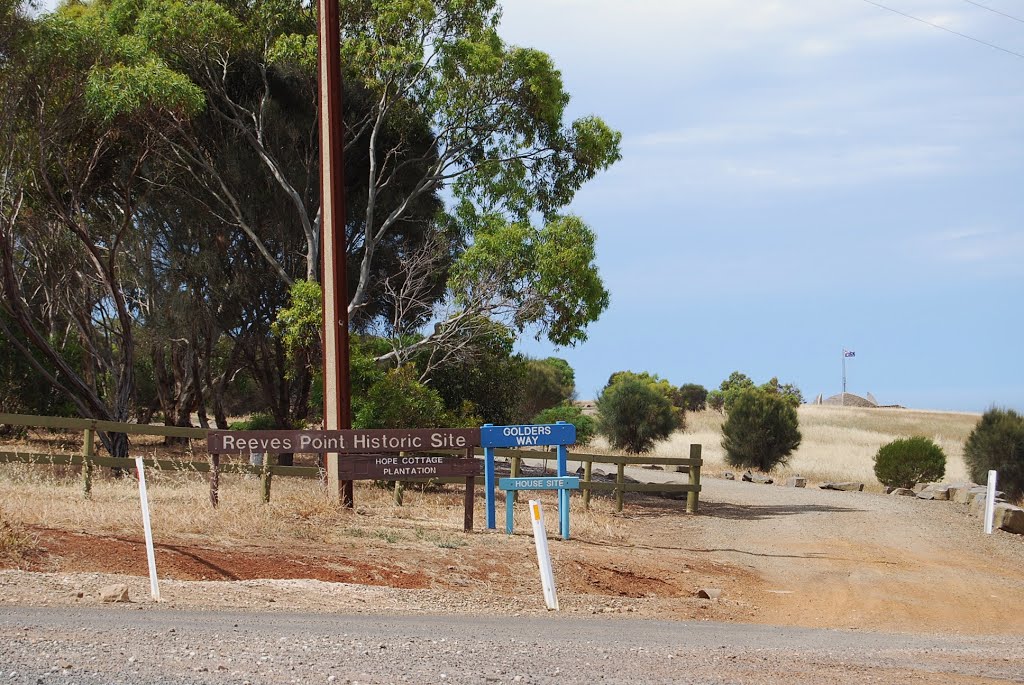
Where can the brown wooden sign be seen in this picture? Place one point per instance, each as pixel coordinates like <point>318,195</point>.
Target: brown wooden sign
<point>396,467</point>
<point>342,441</point>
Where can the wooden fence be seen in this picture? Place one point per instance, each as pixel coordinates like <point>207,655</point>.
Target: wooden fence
<point>88,460</point>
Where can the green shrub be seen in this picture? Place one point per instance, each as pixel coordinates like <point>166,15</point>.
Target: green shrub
<point>399,400</point>
<point>257,422</point>
<point>761,431</point>
<point>716,400</point>
<point>692,397</point>
<point>906,462</point>
<point>997,444</point>
<point>634,414</point>
<point>570,413</point>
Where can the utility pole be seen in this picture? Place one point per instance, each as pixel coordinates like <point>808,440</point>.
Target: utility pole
<point>333,278</point>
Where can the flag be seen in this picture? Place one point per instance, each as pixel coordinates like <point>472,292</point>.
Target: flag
<point>849,353</point>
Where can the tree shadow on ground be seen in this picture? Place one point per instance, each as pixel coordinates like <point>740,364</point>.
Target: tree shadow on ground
<point>759,512</point>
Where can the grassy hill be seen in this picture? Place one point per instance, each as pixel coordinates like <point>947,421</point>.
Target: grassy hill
<point>839,443</point>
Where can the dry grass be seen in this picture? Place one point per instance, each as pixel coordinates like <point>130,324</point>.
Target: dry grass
<point>299,510</point>
<point>16,543</point>
<point>839,443</point>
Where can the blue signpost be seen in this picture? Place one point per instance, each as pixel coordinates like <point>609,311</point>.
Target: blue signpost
<point>561,434</point>
<point>561,483</point>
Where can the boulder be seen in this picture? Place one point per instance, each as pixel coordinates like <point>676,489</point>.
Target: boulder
<point>846,486</point>
<point>1009,518</point>
<point>729,475</point>
<point>796,482</point>
<point>114,593</point>
<point>757,478</point>
<point>978,504</point>
<point>956,488</point>
<point>903,492</point>
<point>672,495</point>
<point>965,495</point>
<point>939,492</point>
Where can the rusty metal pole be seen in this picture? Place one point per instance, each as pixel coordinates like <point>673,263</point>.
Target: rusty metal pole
<point>337,388</point>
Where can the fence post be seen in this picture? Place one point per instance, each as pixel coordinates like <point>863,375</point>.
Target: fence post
<point>588,470</point>
<point>620,482</point>
<point>265,478</point>
<point>515,474</point>
<point>214,479</point>
<point>87,455</point>
<point>693,497</point>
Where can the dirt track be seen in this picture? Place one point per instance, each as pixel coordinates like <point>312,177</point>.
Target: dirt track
<point>781,556</point>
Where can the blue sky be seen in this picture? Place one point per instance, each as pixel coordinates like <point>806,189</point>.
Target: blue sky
<point>799,176</point>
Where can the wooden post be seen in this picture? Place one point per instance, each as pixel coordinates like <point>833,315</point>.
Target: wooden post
<point>87,455</point>
<point>620,482</point>
<point>588,471</point>
<point>214,479</point>
<point>399,492</point>
<point>467,522</point>
<point>515,474</point>
<point>265,478</point>
<point>693,497</point>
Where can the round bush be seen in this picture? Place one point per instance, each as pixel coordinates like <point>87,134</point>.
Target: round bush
<point>906,462</point>
<point>761,431</point>
<point>997,444</point>
<point>635,414</point>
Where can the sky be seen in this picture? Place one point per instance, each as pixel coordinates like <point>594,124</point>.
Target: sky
<point>799,177</point>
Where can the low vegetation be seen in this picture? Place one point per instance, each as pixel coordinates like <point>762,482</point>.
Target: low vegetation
<point>761,431</point>
<point>997,443</point>
<point>905,462</point>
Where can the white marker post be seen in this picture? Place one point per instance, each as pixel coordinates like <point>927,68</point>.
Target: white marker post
<point>990,502</point>
<point>540,538</point>
<point>154,587</point>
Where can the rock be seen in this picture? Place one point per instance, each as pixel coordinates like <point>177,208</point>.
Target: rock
<point>114,593</point>
<point>672,495</point>
<point>965,495</point>
<point>1009,518</point>
<point>709,593</point>
<point>904,492</point>
<point>921,486</point>
<point>729,475</point>
<point>796,482</point>
<point>956,488</point>
<point>757,478</point>
<point>747,477</point>
<point>937,492</point>
<point>846,486</point>
<point>978,504</point>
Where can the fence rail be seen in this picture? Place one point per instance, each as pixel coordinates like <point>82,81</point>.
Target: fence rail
<point>266,471</point>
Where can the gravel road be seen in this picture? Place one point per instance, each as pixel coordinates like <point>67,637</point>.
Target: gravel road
<point>130,645</point>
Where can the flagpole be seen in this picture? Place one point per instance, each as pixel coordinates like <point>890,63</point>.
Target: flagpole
<point>842,398</point>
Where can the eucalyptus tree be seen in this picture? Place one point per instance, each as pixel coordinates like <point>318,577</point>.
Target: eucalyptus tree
<point>77,105</point>
<point>442,105</point>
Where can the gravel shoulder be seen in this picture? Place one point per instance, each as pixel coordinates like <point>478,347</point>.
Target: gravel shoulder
<point>122,645</point>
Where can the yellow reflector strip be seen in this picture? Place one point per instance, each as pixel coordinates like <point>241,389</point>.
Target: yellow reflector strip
<point>536,512</point>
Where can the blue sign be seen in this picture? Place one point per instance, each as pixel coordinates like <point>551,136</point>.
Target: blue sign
<point>528,435</point>
<point>541,483</point>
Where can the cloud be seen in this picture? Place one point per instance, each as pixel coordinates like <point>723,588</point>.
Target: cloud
<point>975,245</point>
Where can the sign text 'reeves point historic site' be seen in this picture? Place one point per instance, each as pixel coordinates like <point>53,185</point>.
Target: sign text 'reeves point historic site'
<point>356,441</point>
